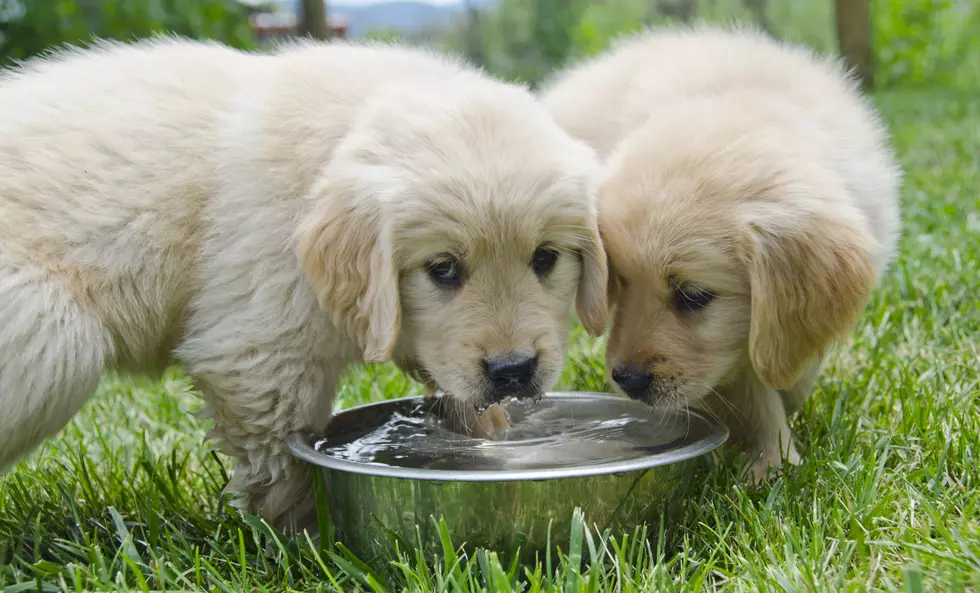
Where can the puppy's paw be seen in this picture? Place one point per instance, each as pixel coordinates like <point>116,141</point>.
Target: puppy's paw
<point>463,418</point>
<point>285,502</point>
<point>758,470</point>
<point>498,418</point>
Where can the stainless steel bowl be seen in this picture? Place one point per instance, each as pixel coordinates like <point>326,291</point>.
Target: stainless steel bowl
<point>499,509</point>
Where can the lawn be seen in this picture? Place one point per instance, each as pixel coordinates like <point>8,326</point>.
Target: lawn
<point>127,497</point>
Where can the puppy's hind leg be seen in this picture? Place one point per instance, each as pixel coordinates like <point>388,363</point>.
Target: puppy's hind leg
<point>52,353</point>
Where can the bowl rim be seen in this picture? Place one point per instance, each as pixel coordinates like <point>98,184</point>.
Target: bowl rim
<point>299,446</point>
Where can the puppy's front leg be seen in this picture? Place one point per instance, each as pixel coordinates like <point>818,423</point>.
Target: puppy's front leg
<point>257,401</point>
<point>756,417</point>
<point>794,397</point>
<point>414,372</point>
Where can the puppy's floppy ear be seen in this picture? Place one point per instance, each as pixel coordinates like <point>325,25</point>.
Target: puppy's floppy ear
<point>592,299</point>
<point>345,249</point>
<point>613,287</point>
<point>811,275</point>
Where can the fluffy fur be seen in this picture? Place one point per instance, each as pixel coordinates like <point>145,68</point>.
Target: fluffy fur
<point>749,208</point>
<point>267,220</point>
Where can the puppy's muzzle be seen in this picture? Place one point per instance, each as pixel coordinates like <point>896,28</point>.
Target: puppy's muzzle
<point>510,375</point>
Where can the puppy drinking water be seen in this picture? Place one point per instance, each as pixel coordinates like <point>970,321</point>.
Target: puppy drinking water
<point>269,219</point>
<point>749,209</point>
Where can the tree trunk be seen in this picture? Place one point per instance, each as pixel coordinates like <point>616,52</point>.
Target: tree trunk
<point>313,20</point>
<point>474,34</point>
<point>854,37</point>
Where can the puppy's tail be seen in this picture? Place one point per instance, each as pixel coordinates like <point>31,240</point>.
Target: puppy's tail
<point>51,356</point>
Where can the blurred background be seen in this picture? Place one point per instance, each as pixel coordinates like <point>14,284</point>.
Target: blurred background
<point>891,43</point>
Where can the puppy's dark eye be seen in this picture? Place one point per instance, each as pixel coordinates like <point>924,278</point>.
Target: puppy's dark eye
<point>445,272</point>
<point>692,298</point>
<point>543,260</point>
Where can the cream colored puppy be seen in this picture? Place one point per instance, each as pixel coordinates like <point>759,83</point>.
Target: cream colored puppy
<point>748,211</point>
<point>269,219</point>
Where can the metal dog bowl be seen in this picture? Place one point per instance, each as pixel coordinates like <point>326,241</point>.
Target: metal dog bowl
<point>627,467</point>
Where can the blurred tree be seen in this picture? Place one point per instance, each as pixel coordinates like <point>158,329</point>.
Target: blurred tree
<point>31,27</point>
<point>683,10</point>
<point>519,39</point>
<point>854,37</point>
<point>474,44</point>
<point>760,14</point>
<point>553,25</point>
<point>313,19</point>
<point>909,42</point>
<point>602,22</point>
<point>927,43</point>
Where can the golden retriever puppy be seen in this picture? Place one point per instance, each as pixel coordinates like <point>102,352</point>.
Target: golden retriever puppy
<point>748,210</point>
<point>267,220</point>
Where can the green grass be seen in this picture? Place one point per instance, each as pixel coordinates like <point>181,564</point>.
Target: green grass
<point>127,497</point>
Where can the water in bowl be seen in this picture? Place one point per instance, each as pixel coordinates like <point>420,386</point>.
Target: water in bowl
<point>554,432</point>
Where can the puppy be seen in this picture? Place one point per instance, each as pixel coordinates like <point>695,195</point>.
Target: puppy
<point>267,220</point>
<point>748,210</point>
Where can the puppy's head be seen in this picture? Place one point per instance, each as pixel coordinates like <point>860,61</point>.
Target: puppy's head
<point>730,250</point>
<point>453,232</point>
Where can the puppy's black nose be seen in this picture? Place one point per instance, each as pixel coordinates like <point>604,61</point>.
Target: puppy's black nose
<point>636,383</point>
<point>511,373</point>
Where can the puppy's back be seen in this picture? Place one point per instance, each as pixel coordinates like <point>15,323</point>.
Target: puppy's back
<point>111,158</point>
<point>98,145</point>
<point>642,74</point>
<point>607,100</point>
